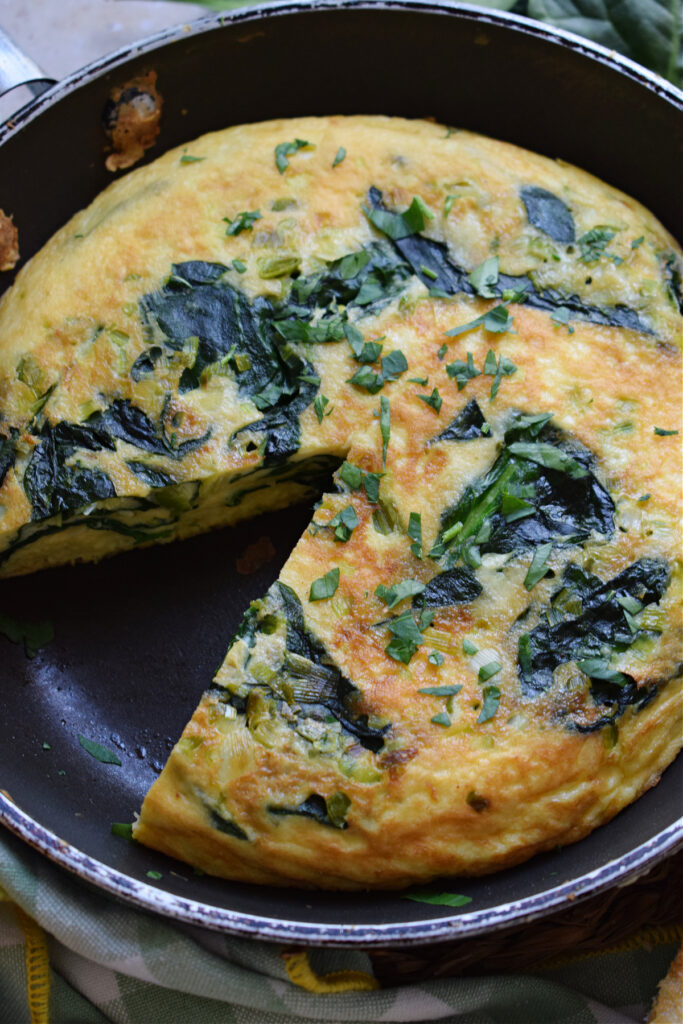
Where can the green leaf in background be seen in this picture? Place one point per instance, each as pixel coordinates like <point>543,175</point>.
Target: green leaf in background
<point>648,31</point>
<point>439,899</point>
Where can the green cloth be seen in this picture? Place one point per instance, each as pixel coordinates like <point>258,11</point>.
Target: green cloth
<point>111,962</point>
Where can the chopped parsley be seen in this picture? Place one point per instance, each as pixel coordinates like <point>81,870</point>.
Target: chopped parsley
<point>484,278</point>
<point>539,567</point>
<point>441,719</point>
<point>243,221</point>
<point>344,523</point>
<point>462,372</point>
<point>637,242</point>
<point>504,368</point>
<point>393,365</point>
<point>99,752</point>
<point>661,432</point>
<point>33,635</point>
<point>325,586</point>
<point>442,350</point>
<point>491,702</point>
<point>415,533</point>
<point>187,158</point>
<point>594,243</point>
<point>339,156</point>
<point>434,400</point>
<point>287,149</point>
<point>123,829</point>
<point>441,691</point>
<point>355,478</point>
<point>384,426</point>
<point>407,635</point>
<point>437,658</point>
<point>319,405</point>
<point>400,225</point>
<point>560,316</point>
<point>239,266</point>
<point>496,320</point>
<point>422,381</point>
<point>398,592</point>
<point>438,899</point>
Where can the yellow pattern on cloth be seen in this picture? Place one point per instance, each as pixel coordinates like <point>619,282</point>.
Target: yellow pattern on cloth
<point>37,964</point>
<point>645,938</point>
<point>302,974</point>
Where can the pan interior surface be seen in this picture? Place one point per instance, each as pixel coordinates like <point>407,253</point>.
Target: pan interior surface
<point>137,638</point>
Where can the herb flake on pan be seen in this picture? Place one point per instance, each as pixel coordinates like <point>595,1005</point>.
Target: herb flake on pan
<point>539,566</point>
<point>320,403</point>
<point>434,400</point>
<point>98,751</point>
<point>438,899</point>
<point>496,320</point>
<point>415,533</point>
<point>662,432</point>
<point>325,586</point>
<point>340,155</point>
<point>187,158</point>
<point>484,278</point>
<point>436,658</point>
<point>33,635</point>
<point>398,592</point>
<point>123,829</point>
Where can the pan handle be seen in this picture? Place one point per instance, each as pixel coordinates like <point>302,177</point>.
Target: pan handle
<point>18,69</point>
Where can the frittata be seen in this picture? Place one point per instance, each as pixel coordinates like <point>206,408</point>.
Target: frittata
<point>473,353</point>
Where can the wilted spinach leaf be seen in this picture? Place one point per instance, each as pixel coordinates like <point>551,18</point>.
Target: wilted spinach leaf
<point>548,213</point>
<point>326,812</point>
<point>542,468</point>
<point>8,450</point>
<point>458,585</point>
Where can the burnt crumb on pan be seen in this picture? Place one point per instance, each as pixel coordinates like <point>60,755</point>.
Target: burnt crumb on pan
<point>255,556</point>
<point>131,120</point>
<point>9,243</point>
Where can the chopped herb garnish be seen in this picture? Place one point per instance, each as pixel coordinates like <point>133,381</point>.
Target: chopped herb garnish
<point>489,670</point>
<point>468,647</point>
<point>477,802</point>
<point>661,432</point>
<point>441,691</point>
<point>496,320</point>
<point>637,242</point>
<point>434,400</point>
<point>156,875</point>
<point>438,899</point>
<point>524,654</point>
<point>484,278</point>
<point>187,158</point>
<point>442,350</point>
<point>645,497</point>
<point>407,635</point>
<point>550,456</point>
<point>287,149</point>
<point>393,365</point>
<point>33,635</point>
<point>243,221</point>
<point>367,379</point>
<point>344,523</point>
<point>560,316</point>
<point>462,372</point>
<point>448,205</point>
<point>400,225</point>
<point>384,426</point>
<point>398,592</point>
<point>539,567</point>
<point>490,705</point>
<point>355,477</point>
<point>321,401</point>
<point>441,719</point>
<point>339,156</point>
<point>99,752</point>
<point>239,266</point>
<point>505,368</point>
<point>514,508</point>
<point>415,533</point>
<point>47,746</point>
<point>123,829</point>
<point>437,658</point>
<point>594,243</point>
<point>428,272</point>
<point>422,381</point>
<point>325,586</point>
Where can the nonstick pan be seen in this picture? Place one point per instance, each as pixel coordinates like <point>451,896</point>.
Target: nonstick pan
<point>133,646</point>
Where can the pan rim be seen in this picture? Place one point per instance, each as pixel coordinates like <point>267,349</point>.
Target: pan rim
<point>561,37</point>
<point>620,870</point>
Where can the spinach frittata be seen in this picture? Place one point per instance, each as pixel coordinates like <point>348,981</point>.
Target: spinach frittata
<point>474,651</point>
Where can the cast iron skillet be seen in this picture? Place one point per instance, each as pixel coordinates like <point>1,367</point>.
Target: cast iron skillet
<point>138,637</point>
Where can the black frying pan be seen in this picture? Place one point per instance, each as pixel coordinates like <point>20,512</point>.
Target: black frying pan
<point>134,648</point>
